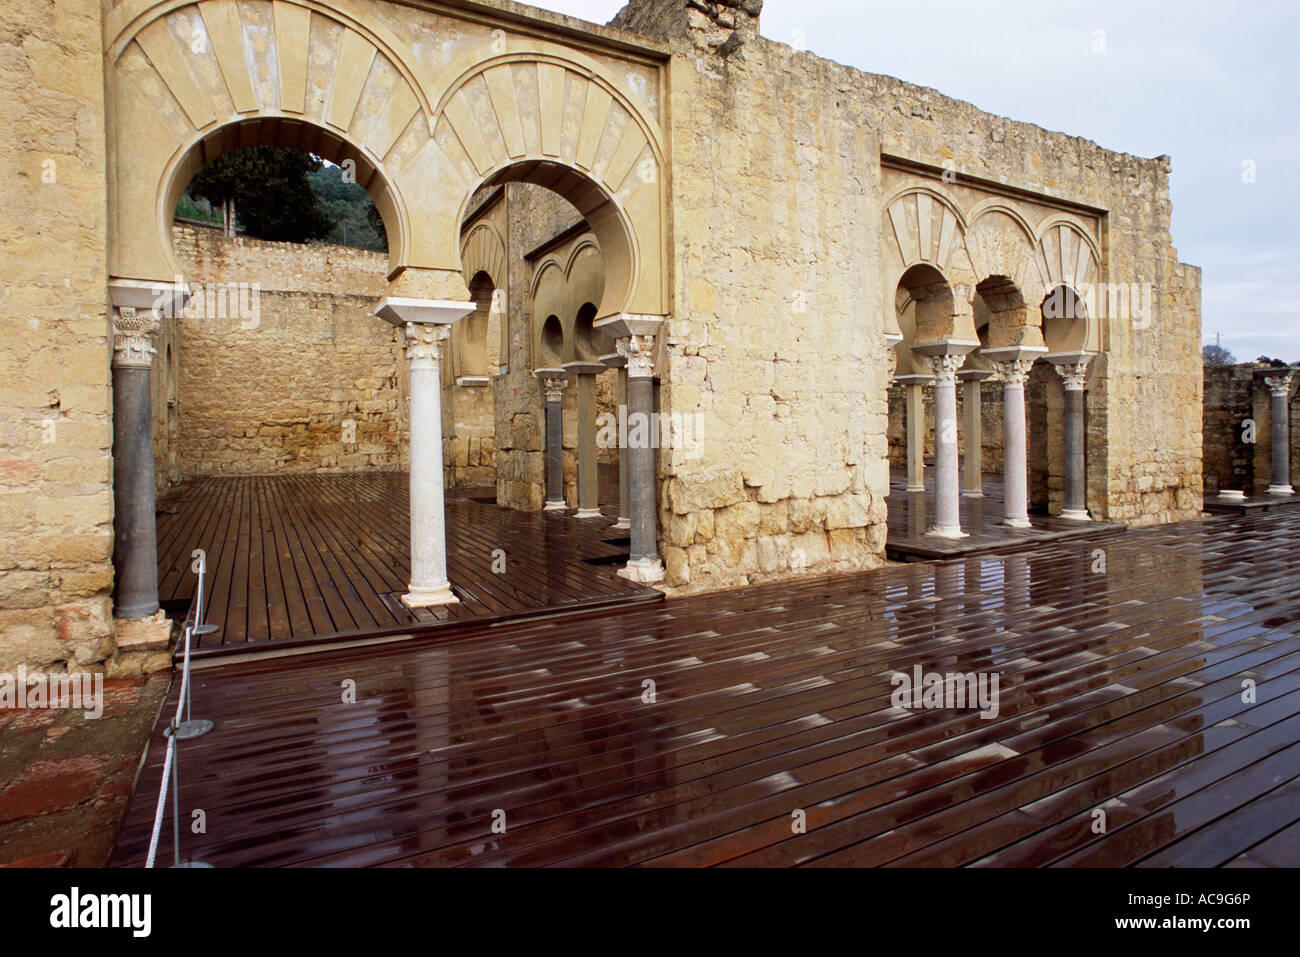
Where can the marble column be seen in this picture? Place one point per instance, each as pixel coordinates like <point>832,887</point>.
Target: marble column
<point>1073,371</point>
<point>915,392</point>
<point>616,361</point>
<point>972,473</point>
<point>553,383</point>
<point>135,535</point>
<point>635,340</point>
<point>945,359</point>
<point>426,324</point>
<point>588,487</point>
<point>1013,364</point>
<point>1279,387</point>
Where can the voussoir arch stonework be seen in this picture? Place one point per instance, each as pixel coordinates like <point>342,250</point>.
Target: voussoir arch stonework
<point>484,251</point>
<point>1001,243</point>
<point>426,123</point>
<point>554,121</point>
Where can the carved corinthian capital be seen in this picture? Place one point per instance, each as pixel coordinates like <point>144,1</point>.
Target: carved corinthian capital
<point>553,387</point>
<point>1279,384</point>
<point>639,350</point>
<point>424,343</point>
<point>1073,374</point>
<point>1014,372</point>
<point>133,332</point>
<point>945,367</point>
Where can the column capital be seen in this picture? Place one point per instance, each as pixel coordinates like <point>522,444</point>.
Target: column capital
<point>424,343</point>
<point>553,383</point>
<point>133,333</point>
<point>1072,368</point>
<point>639,353</point>
<point>634,337</point>
<point>1014,372</point>
<point>974,375</point>
<point>613,360</point>
<point>945,367</point>
<point>1014,362</point>
<point>136,306</point>
<point>584,368</point>
<point>1280,383</point>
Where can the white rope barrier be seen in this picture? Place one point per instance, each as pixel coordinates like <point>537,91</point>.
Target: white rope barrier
<point>162,802</point>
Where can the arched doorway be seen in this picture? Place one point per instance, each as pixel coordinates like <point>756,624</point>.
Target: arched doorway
<point>423,134</point>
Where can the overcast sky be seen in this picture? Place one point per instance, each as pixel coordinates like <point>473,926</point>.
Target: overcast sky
<point>1211,84</point>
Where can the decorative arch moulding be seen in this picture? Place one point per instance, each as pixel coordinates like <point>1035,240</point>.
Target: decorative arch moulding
<point>515,98</point>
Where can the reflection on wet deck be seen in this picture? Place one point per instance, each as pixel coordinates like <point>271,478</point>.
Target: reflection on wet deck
<point>757,728</point>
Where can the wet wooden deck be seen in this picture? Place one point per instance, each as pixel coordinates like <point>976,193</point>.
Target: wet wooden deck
<point>912,513</point>
<point>1121,661</point>
<point>295,559</point>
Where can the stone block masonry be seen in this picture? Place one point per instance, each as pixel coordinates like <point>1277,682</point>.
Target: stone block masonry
<point>56,498</point>
<point>1237,426</point>
<point>309,380</point>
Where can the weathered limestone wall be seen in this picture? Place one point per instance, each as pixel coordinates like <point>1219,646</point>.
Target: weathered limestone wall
<point>777,184</point>
<point>772,339</point>
<point>1236,397</point>
<point>56,467</point>
<point>305,380</point>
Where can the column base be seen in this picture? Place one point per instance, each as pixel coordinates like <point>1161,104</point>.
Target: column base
<point>147,633</point>
<point>425,597</point>
<point>644,571</point>
<point>948,531</point>
<point>555,507</point>
<point>916,488</point>
<point>623,523</point>
<point>1017,523</point>
<point>1281,490</point>
<point>1233,495</point>
<point>588,513</point>
<point>1075,515</point>
<point>972,494</point>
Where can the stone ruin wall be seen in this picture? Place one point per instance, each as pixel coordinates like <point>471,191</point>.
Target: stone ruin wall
<point>56,467</point>
<point>273,388</point>
<point>1235,395</point>
<point>777,182</point>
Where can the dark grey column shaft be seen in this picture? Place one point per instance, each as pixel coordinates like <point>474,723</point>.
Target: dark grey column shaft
<point>1280,429</point>
<point>641,465</point>
<point>1073,371</point>
<point>554,453</point>
<point>1075,471</point>
<point>624,468</point>
<point>135,538</point>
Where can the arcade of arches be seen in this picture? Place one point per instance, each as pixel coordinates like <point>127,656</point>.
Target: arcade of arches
<point>582,220</point>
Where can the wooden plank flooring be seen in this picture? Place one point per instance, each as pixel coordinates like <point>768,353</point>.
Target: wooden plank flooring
<point>299,557</point>
<point>1121,663</point>
<point>912,513</point>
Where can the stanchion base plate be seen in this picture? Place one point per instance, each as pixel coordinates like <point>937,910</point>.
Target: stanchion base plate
<point>191,864</point>
<point>194,728</point>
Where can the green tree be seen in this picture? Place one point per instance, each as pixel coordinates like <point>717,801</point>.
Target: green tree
<point>355,221</point>
<point>271,192</point>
